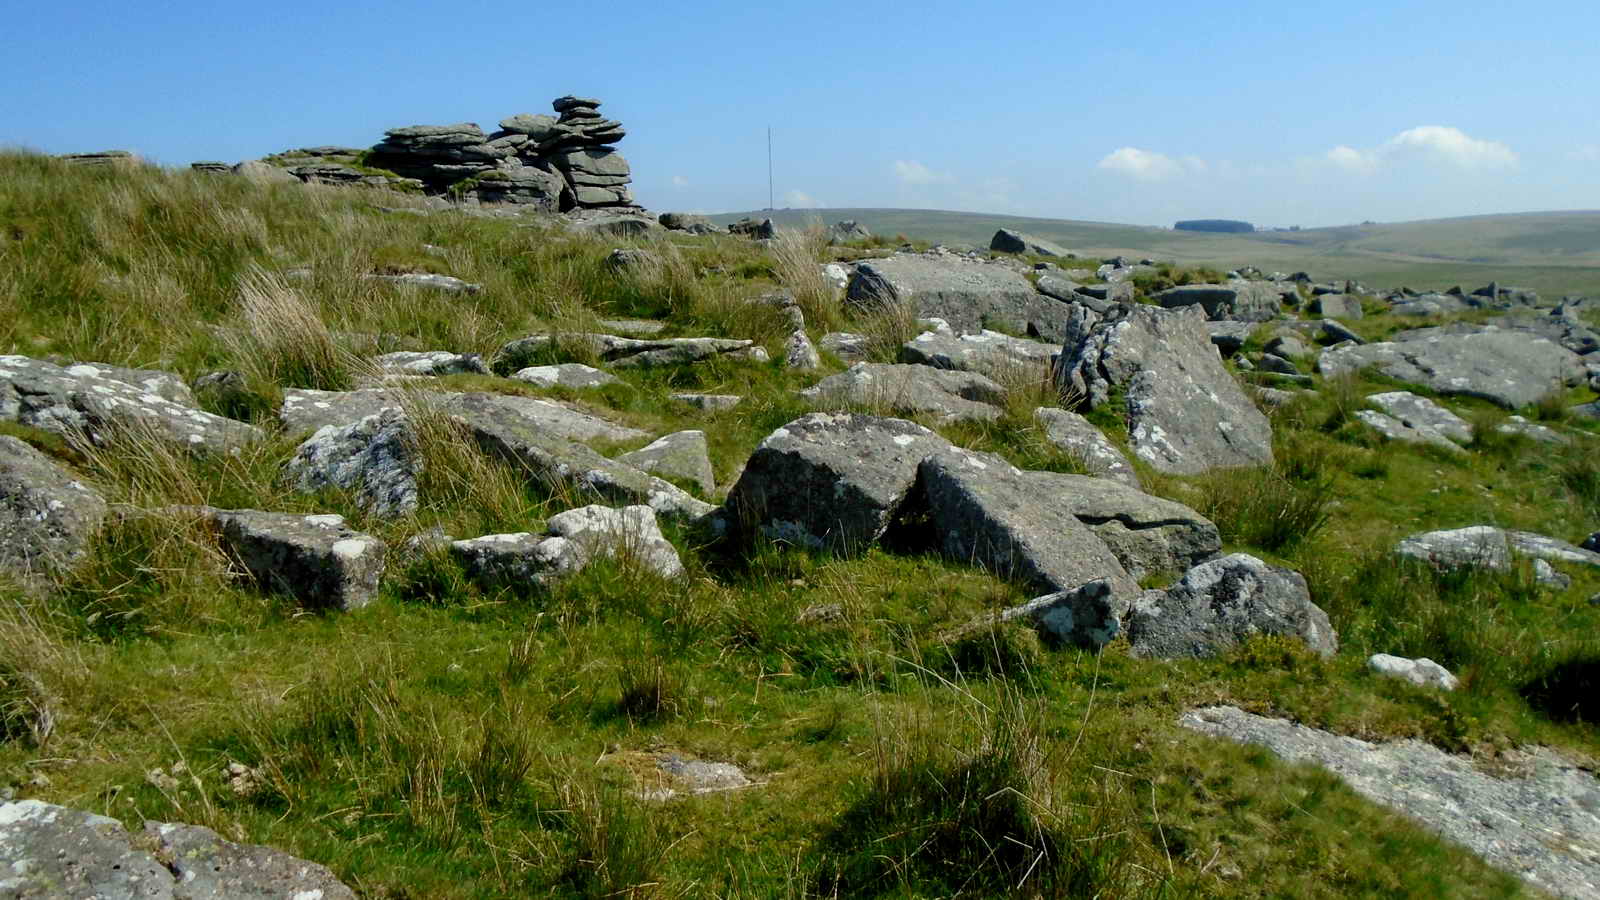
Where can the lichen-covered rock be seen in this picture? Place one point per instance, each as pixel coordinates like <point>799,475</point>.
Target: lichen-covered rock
<point>987,353</point>
<point>619,352</point>
<point>431,362</point>
<point>1489,547</point>
<point>800,354</point>
<point>308,410</point>
<point>906,390</point>
<point>681,454</point>
<point>206,867</point>
<point>984,511</point>
<point>1396,430</point>
<point>1537,824</point>
<point>505,432</point>
<point>567,375</point>
<point>1147,534</point>
<point>1423,414</point>
<point>47,517</point>
<point>49,851</point>
<point>1509,368</point>
<point>1186,414</point>
<point>1088,616</point>
<point>1241,301</point>
<point>1422,672</point>
<point>1217,605</point>
<point>377,458</point>
<point>573,539</point>
<point>1079,437</point>
<point>969,294</point>
<point>98,403</point>
<point>832,480</point>
<point>317,559</point>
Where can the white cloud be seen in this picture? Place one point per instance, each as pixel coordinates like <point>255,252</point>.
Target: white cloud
<point>909,171</point>
<point>1147,165</point>
<point>801,200</point>
<point>1587,153</point>
<point>1434,143</point>
<point>679,181</point>
<point>1353,160</point>
<point>1454,146</point>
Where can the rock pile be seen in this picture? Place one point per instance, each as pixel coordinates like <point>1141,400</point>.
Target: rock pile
<point>554,163</point>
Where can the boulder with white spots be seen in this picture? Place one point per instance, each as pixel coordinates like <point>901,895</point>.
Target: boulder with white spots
<point>681,454</point>
<point>53,851</point>
<point>430,363</point>
<point>97,404</point>
<point>1079,437</point>
<point>376,458</point>
<point>1422,671</point>
<point>1490,547</point>
<point>47,517</point>
<point>573,539</point>
<point>317,559</point>
<point>1185,413</point>
<point>984,511</point>
<point>947,394</point>
<point>567,375</point>
<point>1217,605</point>
<point>833,480</point>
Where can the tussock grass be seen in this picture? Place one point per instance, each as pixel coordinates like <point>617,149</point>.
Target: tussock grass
<point>282,339</point>
<point>797,258</point>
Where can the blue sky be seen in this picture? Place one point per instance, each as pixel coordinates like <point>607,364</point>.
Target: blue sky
<point>1274,112</point>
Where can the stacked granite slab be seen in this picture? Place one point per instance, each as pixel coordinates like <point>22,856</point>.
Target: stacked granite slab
<point>559,163</point>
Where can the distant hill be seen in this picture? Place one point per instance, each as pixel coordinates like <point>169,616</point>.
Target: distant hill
<point>1552,252</point>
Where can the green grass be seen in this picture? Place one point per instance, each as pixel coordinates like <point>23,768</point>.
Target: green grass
<point>454,741</point>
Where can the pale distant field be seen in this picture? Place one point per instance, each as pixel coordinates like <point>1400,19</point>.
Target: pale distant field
<point>1554,253</point>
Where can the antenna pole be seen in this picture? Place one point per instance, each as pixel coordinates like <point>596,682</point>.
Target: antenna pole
<point>770,207</point>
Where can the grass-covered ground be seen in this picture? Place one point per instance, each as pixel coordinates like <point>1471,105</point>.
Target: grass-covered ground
<point>447,742</point>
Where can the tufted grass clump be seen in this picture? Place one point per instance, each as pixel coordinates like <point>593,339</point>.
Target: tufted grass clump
<point>797,258</point>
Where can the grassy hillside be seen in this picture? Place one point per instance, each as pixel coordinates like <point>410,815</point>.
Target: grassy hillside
<point>451,741</point>
<point>1555,253</point>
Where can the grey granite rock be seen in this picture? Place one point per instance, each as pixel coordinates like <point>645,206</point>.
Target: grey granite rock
<point>85,402</point>
<point>986,512</point>
<point>430,362</point>
<point>307,410</point>
<point>1186,414</point>
<point>567,375</point>
<point>906,389</point>
<point>49,851</point>
<point>1147,534</point>
<point>1422,672</point>
<point>376,458</point>
<point>681,454</point>
<point>47,517</point>
<point>1087,616</point>
<point>1007,241</point>
<point>1422,413</point>
<point>1079,437</point>
<point>830,480</point>
<point>1510,368</point>
<point>317,559</point>
<point>987,353</point>
<point>970,294</point>
<point>1218,604</point>
<point>1242,301</point>
<point>1539,825</point>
